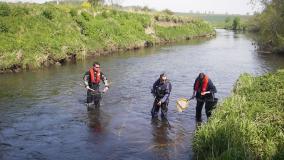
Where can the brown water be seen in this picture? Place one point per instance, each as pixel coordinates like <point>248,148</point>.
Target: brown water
<point>43,115</point>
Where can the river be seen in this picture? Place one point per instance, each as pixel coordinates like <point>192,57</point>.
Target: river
<point>43,115</point>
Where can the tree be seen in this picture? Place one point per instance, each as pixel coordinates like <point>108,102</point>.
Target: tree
<point>167,11</point>
<point>227,20</point>
<point>270,23</point>
<point>236,23</point>
<point>95,2</point>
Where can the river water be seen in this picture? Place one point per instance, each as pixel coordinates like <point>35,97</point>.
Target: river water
<point>43,115</point>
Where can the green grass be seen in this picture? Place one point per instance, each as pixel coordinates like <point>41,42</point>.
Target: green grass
<point>198,28</point>
<point>33,34</point>
<point>218,20</point>
<point>247,125</point>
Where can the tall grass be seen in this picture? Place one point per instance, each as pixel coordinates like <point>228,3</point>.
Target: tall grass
<point>247,125</point>
<point>198,28</point>
<point>33,35</point>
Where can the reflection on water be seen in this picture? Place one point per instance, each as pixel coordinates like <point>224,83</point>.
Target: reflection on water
<point>161,138</point>
<point>43,115</point>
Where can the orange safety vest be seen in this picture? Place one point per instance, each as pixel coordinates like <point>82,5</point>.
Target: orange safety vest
<point>203,85</point>
<point>95,76</point>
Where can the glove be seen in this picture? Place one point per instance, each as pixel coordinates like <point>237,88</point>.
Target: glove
<point>105,90</point>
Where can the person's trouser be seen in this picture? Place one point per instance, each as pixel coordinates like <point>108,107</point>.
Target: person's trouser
<point>209,105</point>
<point>156,108</point>
<point>93,98</point>
<point>199,107</point>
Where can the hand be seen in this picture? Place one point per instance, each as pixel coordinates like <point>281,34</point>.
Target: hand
<point>203,93</point>
<point>88,88</point>
<point>105,90</point>
<point>159,103</point>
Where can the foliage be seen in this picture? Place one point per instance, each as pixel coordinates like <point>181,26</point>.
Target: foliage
<point>48,14</point>
<point>167,11</point>
<point>73,12</point>
<point>86,5</point>
<point>32,35</point>
<point>3,27</point>
<point>95,2</point>
<point>183,32</point>
<point>4,9</point>
<point>269,24</point>
<point>247,125</point>
<point>236,23</point>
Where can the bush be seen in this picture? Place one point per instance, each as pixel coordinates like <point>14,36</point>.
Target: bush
<point>104,14</point>
<point>73,12</point>
<point>86,16</point>
<point>19,11</point>
<point>3,27</point>
<point>4,9</point>
<point>86,5</point>
<point>48,14</point>
<point>167,11</point>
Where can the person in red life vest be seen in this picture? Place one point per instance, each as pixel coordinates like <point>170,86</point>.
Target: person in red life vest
<point>161,91</point>
<point>92,79</point>
<point>204,92</point>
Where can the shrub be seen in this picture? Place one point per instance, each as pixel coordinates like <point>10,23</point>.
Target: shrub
<point>48,14</point>
<point>3,27</point>
<point>19,11</point>
<point>167,11</point>
<point>104,14</point>
<point>4,9</point>
<point>86,16</point>
<point>86,5</point>
<point>73,12</point>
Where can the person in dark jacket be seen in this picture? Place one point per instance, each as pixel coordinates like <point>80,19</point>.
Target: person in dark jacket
<point>161,91</point>
<point>204,91</point>
<point>92,79</point>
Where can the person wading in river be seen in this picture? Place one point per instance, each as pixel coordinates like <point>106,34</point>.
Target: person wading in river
<point>204,92</point>
<point>161,91</point>
<point>92,79</point>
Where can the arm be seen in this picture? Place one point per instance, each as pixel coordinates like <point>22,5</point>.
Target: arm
<point>194,89</point>
<point>105,81</point>
<point>153,90</point>
<point>86,79</point>
<point>168,91</point>
<point>211,87</point>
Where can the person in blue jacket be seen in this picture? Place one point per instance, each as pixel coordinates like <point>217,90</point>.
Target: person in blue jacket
<point>161,91</point>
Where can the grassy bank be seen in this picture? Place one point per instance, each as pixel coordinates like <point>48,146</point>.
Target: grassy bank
<point>34,35</point>
<point>247,125</point>
<point>222,21</point>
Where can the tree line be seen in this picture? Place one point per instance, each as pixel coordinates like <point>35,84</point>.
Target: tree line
<point>269,24</point>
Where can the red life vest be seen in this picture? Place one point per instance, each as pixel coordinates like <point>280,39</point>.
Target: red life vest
<point>95,76</point>
<point>203,85</point>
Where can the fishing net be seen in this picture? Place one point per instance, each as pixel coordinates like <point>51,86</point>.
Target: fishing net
<point>182,104</point>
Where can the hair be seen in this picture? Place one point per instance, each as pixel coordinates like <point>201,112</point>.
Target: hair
<point>201,74</point>
<point>96,63</point>
<point>163,75</point>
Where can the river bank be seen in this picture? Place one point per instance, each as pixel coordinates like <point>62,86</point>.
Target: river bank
<point>248,124</point>
<point>40,35</point>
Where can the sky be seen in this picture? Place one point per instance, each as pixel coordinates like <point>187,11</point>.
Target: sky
<point>217,6</point>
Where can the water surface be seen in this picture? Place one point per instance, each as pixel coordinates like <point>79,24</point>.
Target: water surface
<point>43,115</point>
